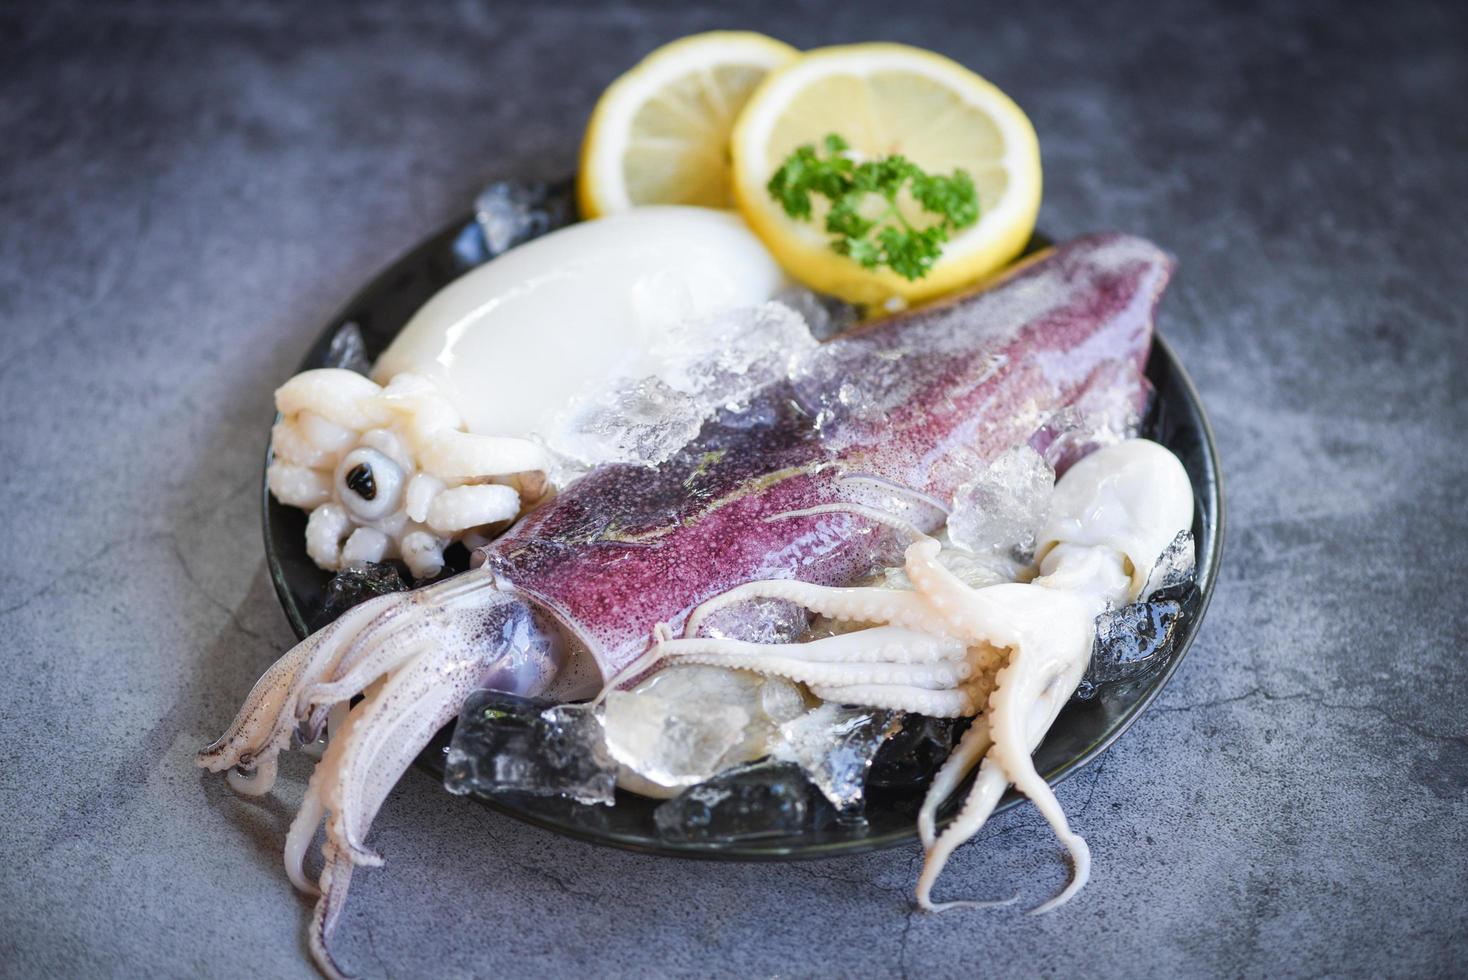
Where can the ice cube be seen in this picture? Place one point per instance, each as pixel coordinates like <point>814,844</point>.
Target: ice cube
<point>832,385</point>
<point>719,361</point>
<point>690,721</point>
<point>357,584</point>
<point>765,800</point>
<point>835,746</point>
<point>698,367</point>
<point>684,725</point>
<point>816,379</point>
<point>999,512</point>
<point>781,700</point>
<point>1136,639</point>
<point>1108,411</point>
<point>511,212</point>
<point>644,421</point>
<point>348,350</point>
<point>509,744</point>
<point>910,757</point>
<point>1175,566</point>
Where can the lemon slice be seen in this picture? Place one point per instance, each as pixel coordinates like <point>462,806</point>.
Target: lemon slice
<point>660,133</point>
<point>884,99</point>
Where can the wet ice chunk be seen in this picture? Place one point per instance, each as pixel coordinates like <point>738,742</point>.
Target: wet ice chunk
<point>685,724</point>
<point>357,584</point>
<point>644,421</point>
<point>911,756</point>
<point>698,367</point>
<point>508,744</point>
<point>1136,639</point>
<point>348,350</point>
<point>999,512</point>
<point>690,721</point>
<point>719,361</point>
<point>1109,411</point>
<point>1175,566</point>
<point>511,212</point>
<point>835,746</point>
<point>845,394</point>
<point>781,700</point>
<point>765,800</point>
<point>669,743</point>
<point>977,571</point>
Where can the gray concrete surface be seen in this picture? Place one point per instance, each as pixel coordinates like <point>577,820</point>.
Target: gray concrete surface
<point>188,191</point>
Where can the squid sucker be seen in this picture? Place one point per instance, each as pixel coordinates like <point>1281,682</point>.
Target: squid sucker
<point>821,479</point>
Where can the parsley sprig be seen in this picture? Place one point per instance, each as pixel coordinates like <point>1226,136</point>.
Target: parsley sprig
<point>888,238</point>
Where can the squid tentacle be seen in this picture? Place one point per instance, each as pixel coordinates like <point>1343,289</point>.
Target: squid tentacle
<point>989,786</point>
<point>968,753</point>
<point>392,728</point>
<point>852,604</point>
<point>960,607</point>
<point>892,645</point>
<point>263,726</point>
<point>1017,731</point>
<point>417,670</point>
<point>381,647</point>
<point>385,658</point>
<point>336,877</point>
<point>381,737</point>
<point>922,676</point>
<point>952,703</point>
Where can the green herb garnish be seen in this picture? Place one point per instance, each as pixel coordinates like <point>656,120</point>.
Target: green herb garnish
<point>888,237</point>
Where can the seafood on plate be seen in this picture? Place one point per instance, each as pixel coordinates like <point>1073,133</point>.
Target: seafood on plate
<point>797,492</point>
<point>1011,654</point>
<point>460,426</point>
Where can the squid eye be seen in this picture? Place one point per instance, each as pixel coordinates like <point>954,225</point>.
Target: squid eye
<point>369,483</point>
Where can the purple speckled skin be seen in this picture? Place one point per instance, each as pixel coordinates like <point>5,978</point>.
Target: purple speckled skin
<point>913,401</point>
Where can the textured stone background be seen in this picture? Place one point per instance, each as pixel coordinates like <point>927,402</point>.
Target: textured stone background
<point>188,192</point>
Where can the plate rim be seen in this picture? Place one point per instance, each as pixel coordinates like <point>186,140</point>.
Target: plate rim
<point>1213,521</point>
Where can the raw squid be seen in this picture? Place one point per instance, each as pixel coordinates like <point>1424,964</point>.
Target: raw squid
<point>815,483</point>
<point>1014,651</point>
<point>438,443</point>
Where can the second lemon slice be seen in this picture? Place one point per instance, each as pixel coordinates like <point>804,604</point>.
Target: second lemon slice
<point>660,133</point>
<point>884,99</point>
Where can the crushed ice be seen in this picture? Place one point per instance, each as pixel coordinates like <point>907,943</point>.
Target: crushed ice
<point>683,727</point>
<point>1109,411</point>
<point>910,758</point>
<point>835,745</point>
<point>356,584</point>
<point>509,213</point>
<point>825,315</point>
<point>998,513</point>
<point>700,366</point>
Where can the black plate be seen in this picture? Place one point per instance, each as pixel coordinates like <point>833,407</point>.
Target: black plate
<point>1083,730</point>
